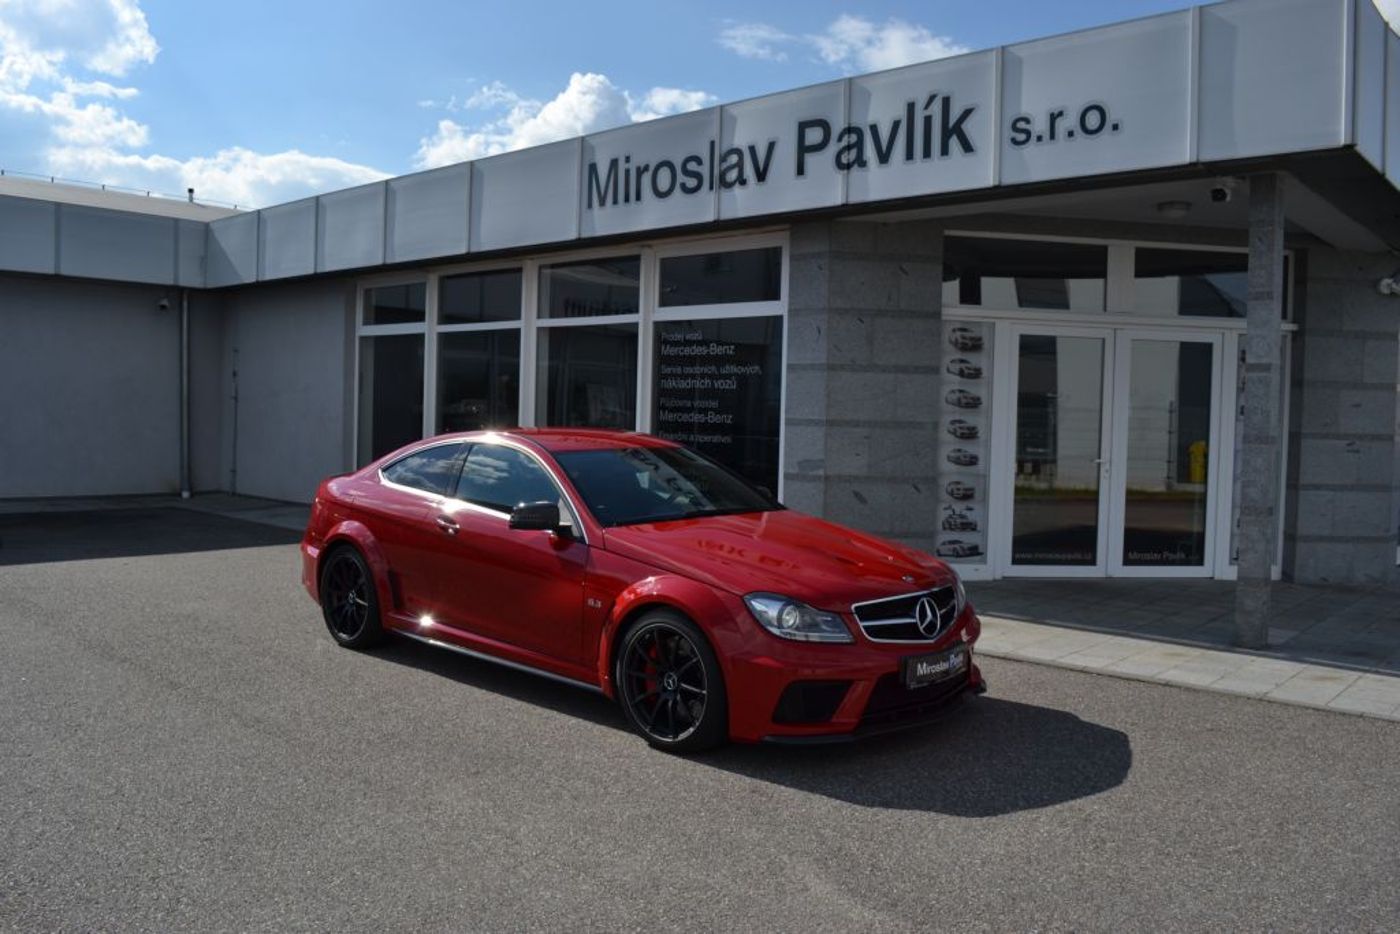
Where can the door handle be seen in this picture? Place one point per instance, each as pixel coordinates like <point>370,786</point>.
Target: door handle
<point>447,525</point>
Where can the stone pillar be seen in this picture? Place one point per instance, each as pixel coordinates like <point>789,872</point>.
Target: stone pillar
<point>1343,482</point>
<point>864,356</point>
<point>1263,423</point>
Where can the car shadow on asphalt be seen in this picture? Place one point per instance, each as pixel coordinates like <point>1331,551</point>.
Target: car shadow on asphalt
<point>44,537</point>
<point>985,758</point>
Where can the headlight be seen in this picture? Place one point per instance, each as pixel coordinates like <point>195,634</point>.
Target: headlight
<point>790,619</point>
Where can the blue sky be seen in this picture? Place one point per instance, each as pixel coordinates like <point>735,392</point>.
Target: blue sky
<point>261,102</point>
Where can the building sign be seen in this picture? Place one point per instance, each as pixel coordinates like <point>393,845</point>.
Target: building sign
<point>718,390</point>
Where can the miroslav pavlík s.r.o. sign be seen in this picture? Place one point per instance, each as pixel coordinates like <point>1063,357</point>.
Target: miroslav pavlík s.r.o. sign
<point>936,128</point>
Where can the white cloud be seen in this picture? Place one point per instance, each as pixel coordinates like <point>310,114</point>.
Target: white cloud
<point>1390,9</point>
<point>858,43</point>
<point>852,43</point>
<point>50,51</point>
<point>235,175</point>
<point>756,40</point>
<point>589,103</point>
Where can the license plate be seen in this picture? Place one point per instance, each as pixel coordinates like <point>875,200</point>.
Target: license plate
<point>922,670</point>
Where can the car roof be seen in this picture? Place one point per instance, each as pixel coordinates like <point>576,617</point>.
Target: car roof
<point>556,440</point>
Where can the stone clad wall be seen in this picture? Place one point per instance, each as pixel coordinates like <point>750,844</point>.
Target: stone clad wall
<point>1342,487</point>
<point>863,362</point>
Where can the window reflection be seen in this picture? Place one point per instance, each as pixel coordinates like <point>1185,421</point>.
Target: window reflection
<point>1011,274</point>
<point>588,376</point>
<point>391,393</point>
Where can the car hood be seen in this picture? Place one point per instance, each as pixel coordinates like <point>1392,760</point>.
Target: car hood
<point>820,563</point>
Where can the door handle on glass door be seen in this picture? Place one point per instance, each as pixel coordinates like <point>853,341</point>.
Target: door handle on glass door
<point>447,525</point>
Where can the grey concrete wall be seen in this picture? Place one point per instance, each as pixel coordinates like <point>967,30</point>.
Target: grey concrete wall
<point>208,381</point>
<point>89,388</point>
<point>287,355</point>
<point>1341,525</point>
<point>864,354</point>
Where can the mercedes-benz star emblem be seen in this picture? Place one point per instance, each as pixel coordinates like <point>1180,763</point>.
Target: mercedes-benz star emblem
<point>926,615</point>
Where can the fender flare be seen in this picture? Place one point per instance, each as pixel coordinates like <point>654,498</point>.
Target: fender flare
<point>357,534</point>
<point>695,601</point>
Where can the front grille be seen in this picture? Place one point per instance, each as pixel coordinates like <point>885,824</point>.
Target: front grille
<point>892,703</point>
<point>895,619</point>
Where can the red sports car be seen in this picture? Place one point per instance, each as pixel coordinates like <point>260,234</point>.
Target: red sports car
<point>636,567</point>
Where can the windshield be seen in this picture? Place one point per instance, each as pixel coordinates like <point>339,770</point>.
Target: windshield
<point>626,486</point>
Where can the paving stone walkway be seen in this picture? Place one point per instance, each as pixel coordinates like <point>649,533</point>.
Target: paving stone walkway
<point>1329,648</point>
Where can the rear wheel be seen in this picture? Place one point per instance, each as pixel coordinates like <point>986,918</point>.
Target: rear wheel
<point>670,685</point>
<point>348,600</point>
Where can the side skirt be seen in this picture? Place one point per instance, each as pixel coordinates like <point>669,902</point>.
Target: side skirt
<point>438,643</point>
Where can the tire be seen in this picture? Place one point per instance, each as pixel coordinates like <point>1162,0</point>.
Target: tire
<point>349,602</point>
<point>670,685</point>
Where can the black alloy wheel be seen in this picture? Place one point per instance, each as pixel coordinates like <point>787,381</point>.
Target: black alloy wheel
<point>670,685</point>
<point>348,601</point>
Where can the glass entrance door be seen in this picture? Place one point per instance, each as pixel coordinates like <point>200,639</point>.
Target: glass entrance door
<point>1058,453</point>
<point>1166,395</point>
<point>1110,464</point>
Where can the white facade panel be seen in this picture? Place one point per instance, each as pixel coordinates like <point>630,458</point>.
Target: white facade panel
<point>287,240</point>
<point>923,129</point>
<point>27,232</point>
<point>1272,77</point>
<point>426,214</point>
<point>1369,106</point>
<point>1110,100</point>
<point>778,153</point>
<point>232,257</point>
<point>350,228</point>
<point>100,244</point>
<point>526,197</point>
<point>653,175</point>
<point>190,244</point>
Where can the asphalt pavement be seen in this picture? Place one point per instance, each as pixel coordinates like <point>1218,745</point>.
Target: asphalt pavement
<point>182,747</point>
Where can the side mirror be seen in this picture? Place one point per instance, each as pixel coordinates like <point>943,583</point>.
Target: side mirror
<point>541,517</point>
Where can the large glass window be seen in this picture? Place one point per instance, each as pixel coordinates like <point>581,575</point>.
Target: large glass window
<point>396,304</point>
<point>1024,274</point>
<point>718,389</point>
<point>1193,283</point>
<point>587,376</point>
<point>722,278</point>
<point>478,380</point>
<point>592,287</point>
<point>479,296</point>
<point>390,393</point>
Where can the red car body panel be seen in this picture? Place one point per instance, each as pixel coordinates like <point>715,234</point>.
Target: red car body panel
<point>557,603</point>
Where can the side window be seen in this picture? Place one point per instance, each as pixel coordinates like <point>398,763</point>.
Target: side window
<point>502,478</point>
<point>433,470</point>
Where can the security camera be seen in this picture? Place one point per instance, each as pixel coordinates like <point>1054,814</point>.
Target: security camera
<point>163,304</point>
<point>1223,190</point>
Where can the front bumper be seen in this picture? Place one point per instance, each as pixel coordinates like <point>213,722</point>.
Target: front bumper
<point>844,691</point>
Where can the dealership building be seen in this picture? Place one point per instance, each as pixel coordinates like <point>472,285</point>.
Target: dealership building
<point>1122,302</point>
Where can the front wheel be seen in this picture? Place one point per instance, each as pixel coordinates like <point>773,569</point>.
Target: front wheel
<point>670,684</point>
<point>348,600</point>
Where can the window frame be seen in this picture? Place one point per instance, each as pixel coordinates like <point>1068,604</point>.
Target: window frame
<point>530,323</point>
<point>1121,288</point>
